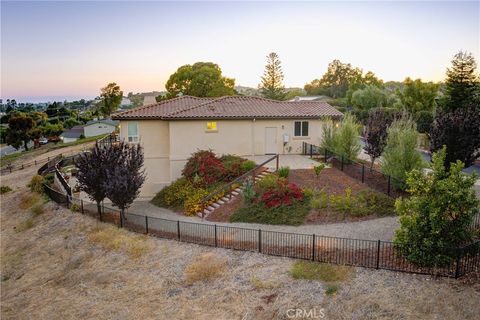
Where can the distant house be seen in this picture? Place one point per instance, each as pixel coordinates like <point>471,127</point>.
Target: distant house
<point>97,127</point>
<point>310,98</point>
<point>149,100</point>
<point>72,134</point>
<point>126,103</point>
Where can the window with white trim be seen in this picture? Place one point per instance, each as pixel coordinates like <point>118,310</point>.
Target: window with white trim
<point>300,129</point>
<point>132,132</point>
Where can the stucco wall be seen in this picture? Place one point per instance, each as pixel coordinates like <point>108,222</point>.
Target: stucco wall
<point>153,136</point>
<point>240,137</point>
<point>167,145</point>
<point>96,129</point>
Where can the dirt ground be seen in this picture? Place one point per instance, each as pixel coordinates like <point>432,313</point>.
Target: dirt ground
<point>62,265</point>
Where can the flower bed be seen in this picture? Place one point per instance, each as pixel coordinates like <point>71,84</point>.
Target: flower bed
<point>203,173</point>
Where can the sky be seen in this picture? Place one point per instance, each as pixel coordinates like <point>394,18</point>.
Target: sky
<point>70,49</point>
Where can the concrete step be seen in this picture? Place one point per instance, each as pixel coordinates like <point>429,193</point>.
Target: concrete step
<point>211,208</point>
<point>220,202</point>
<point>226,199</point>
<point>215,205</point>
<point>238,190</point>
<point>235,193</point>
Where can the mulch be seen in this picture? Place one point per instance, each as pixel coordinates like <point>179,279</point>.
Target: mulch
<point>332,180</point>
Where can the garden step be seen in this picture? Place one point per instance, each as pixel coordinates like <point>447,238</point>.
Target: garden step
<point>220,202</point>
<point>211,208</point>
<point>225,199</point>
<point>215,205</point>
<point>238,190</point>
<point>235,193</point>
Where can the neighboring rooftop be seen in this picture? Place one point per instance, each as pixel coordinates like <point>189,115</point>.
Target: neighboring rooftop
<point>310,98</point>
<point>74,132</point>
<point>105,121</point>
<point>229,107</point>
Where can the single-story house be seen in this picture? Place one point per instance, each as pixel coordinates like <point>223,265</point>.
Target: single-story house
<point>97,127</point>
<point>171,130</point>
<point>72,134</point>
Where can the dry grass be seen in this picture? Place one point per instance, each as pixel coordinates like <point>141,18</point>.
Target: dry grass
<point>37,209</point>
<point>321,271</point>
<point>25,224</point>
<point>28,200</point>
<point>205,267</point>
<point>263,284</point>
<point>112,238</point>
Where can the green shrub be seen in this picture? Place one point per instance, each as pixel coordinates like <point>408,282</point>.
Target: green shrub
<point>283,172</point>
<point>75,207</point>
<point>318,169</point>
<point>374,203</point>
<point>320,271</point>
<point>346,140</point>
<point>233,166</point>
<point>400,155</point>
<point>36,184</point>
<point>5,189</point>
<point>193,202</point>
<point>282,215</point>
<point>248,165</point>
<point>329,130</point>
<point>174,195</point>
<point>319,199</point>
<point>249,194</point>
<point>438,214</point>
<point>331,289</point>
<point>343,203</point>
<point>49,178</point>
<point>268,182</point>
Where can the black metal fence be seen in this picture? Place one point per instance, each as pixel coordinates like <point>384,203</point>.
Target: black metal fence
<point>13,167</point>
<point>355,252</point>
<point>359,171</point>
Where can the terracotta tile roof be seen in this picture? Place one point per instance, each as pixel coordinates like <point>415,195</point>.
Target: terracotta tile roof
<point>230,107</point>
<point>160,109</point>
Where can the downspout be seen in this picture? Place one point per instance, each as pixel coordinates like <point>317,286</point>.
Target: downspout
<point>253,139</point>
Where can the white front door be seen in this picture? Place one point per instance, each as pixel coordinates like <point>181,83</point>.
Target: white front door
<point>271,140</point>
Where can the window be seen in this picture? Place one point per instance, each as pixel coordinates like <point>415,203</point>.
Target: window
<point>132,132</point>
<point>301,129</point>
<point>212,126</point>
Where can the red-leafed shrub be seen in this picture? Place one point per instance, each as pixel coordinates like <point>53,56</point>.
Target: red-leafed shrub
<point>283,193</point>
<point>203,168</point>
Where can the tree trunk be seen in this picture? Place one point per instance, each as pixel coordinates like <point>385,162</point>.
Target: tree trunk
<point>122,213</point>
<point>99,210</point>
<point>372,163</point>
<point>25,145</point>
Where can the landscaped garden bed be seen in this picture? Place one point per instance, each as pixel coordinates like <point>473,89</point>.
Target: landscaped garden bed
<point>330,197</point>
<point>203,173</point>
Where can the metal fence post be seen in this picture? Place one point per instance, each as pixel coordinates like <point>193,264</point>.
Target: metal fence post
<point>146,224</point>
<point>341,163</point>
<point>311,151</point>
<point>216,242</point>
<point>68,202</point>
<point>378,254</point>
<point>326,155</point>
<point>253,177</point>
<point>81,204</point>
<point>259,240</point>
<point>178,230</point>
<point>363,173</point>
<point>388,187</point>
<point>313,247</point>
<point>277,162</point>
<point>457,263</point>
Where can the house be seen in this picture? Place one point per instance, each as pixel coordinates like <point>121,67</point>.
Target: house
<point>311,98</point>
<point>97,127</point>
<point>72,134</point>
<point>147,100</point>
<point>171,130</point>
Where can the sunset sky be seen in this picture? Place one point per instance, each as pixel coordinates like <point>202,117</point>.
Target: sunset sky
<point>68,50</point>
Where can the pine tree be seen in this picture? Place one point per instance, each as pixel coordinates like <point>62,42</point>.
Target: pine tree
<point>462,86</point>
<point>272,79</point>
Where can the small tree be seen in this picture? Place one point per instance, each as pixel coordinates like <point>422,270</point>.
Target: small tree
<point>92,173</point>
<point>462,86</point>
<point>376,133</point>
<point>437,216</point>
<point>346,141</point>
<point>401,155</point>
<point>459,130</point>
<point>329,130</point>
<point>19,131</point>
<point>272,86</point>
<point>424,121</point>
<point>125,175</point>
<point>111,96</point>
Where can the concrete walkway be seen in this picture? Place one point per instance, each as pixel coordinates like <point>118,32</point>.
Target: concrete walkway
<point>375,229</point>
